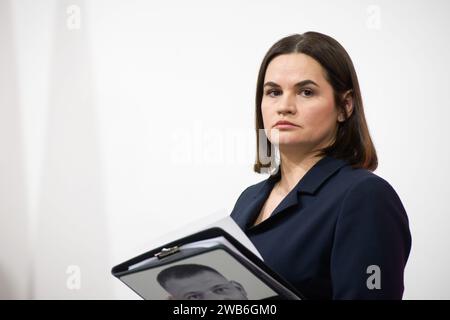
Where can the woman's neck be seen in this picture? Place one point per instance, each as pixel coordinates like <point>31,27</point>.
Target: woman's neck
<point>294,165</point>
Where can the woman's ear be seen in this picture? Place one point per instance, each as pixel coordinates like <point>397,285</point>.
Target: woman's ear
<point>347,101</point>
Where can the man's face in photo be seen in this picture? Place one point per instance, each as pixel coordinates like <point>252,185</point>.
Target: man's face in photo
<point>205,285</point>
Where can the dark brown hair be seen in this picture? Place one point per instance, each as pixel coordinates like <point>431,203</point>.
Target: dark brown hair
<point>352,142</point>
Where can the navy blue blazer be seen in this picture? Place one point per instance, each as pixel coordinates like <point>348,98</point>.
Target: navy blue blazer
<point>340,233</point>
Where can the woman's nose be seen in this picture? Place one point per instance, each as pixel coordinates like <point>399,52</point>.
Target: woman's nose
<point>287,104</point>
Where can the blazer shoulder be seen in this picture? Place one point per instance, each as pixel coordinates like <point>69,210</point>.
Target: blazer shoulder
<point>365,180</point>
<point>246,195</point>
<point>370,195</point>
<point>368,189</point>
<point>251,190</point>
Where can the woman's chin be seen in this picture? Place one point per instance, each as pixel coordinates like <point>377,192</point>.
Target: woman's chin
<point>289,143</point>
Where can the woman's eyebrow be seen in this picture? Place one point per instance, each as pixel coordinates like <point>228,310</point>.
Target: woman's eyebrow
<point>298,84</point>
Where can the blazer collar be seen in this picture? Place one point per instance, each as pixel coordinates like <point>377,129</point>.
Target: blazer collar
<point>309,184</point>
<point>312,180</point>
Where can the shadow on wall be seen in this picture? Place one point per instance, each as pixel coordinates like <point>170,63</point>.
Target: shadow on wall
<point>5,287</point>
<point>14,259</point>
<point>71,247</point>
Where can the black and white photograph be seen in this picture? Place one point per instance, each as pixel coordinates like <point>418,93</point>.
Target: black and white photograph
<point>214,275</point>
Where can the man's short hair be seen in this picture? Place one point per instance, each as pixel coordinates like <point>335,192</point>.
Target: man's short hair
<point>183,271</point>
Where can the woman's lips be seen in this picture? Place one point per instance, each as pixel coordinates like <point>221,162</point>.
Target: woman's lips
<point>285,125</point>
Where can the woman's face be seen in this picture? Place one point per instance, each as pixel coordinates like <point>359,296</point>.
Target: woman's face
<point>295,90</point>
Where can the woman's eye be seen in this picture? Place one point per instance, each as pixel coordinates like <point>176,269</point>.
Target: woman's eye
<point>269,93</point>
<point>306,92</point>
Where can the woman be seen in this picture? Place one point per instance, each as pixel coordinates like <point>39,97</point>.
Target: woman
<point>322,219</point>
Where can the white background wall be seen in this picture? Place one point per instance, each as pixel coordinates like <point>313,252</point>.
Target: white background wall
<point>118,119</point>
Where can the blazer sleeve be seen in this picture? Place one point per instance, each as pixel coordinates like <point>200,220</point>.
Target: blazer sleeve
<point>371,244</point>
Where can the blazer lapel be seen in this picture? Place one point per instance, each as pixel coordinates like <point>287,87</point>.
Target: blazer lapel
<point>309,184</point>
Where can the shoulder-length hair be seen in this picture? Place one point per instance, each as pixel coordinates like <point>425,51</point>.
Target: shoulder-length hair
<point>352,142</point>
